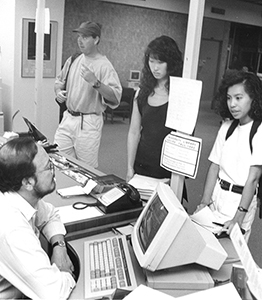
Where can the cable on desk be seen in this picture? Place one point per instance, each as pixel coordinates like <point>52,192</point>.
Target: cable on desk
<point>83,205</point>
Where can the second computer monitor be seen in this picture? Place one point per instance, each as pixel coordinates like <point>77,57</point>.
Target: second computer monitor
<point>164,236</point>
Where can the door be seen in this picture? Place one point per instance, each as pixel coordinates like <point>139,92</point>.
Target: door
<point>209,60</point>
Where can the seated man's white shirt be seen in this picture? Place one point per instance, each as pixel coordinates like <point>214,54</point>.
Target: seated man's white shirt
<point>24,265</point>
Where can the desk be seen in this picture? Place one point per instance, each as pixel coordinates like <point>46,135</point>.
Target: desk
<point>79,231</point>
<point>87,227</point>
<point>222,275</point>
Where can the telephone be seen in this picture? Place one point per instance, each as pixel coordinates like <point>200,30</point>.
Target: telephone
<point>122,197</point>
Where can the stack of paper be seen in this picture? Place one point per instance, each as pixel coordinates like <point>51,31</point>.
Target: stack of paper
<point>146,185</point>
<point>77,190</point>
<point>211,220</point>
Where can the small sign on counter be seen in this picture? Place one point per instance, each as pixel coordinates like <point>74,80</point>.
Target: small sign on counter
<point>181,153</point>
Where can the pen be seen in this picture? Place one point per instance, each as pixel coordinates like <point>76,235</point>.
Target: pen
<point>219,224</point>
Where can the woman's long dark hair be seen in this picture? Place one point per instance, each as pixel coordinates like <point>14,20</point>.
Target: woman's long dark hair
<point>166,50</point>
<point>253,87</point>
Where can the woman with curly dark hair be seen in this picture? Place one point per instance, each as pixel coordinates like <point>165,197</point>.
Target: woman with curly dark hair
<point>236,164</point>
<point>147,130</point>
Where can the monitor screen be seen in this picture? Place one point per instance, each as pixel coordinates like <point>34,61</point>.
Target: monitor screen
<point>134,75</point>
<point>152,221</point>
<point>164,236</point>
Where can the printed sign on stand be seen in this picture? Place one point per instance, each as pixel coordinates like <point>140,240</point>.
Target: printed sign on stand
<point>181,153</point>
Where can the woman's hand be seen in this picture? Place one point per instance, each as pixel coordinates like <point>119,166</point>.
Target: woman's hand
<point>199,207</point>
<point>228,226</point>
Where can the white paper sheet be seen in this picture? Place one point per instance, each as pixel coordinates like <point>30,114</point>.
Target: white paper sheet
<point>226,291</point>
<point>252,271</point>
<point>205,217</point>
<point>69,214</point>
<point>143,292</point>
<point>71,191</point>
<point>77,190</point>
<point>183,104</point>
<point>146,185</point>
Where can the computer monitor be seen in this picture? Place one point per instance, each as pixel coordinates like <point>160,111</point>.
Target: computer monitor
<point>164,236</point>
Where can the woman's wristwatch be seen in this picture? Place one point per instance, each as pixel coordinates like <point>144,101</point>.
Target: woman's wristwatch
<point>242,209</point>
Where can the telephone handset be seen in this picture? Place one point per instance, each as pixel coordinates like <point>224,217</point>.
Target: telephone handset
<point>131,191</point>
<point>122,197</point>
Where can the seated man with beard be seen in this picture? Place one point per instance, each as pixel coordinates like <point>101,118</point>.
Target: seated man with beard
<point>26,176</point>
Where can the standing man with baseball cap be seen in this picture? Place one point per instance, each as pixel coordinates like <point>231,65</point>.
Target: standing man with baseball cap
<point>92,84</point>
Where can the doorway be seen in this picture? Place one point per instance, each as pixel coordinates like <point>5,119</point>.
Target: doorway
<point>209,60</point>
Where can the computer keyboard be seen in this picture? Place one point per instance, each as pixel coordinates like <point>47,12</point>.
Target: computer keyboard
<point>108,266</point>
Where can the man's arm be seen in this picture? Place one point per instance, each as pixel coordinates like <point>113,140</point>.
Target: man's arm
<point>28,268</point>
<point>60,256</point>
<point>59,87</point>
<point>106,91</point>
<point>50,224</point>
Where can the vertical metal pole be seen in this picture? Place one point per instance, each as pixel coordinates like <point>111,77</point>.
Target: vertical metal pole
<point>40,25</point>
<point>193,40</point>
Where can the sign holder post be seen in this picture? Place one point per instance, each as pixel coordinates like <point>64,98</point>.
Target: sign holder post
<point>193,39</point>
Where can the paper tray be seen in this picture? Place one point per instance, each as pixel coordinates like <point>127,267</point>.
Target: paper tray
<point>180,280</point>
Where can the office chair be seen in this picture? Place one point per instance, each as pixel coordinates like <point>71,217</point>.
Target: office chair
<point>125,107</point>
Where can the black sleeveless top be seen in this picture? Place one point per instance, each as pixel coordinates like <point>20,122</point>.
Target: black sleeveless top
<point>153,132</point>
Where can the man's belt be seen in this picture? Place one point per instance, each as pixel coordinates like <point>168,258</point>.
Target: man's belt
<point>227,186</point>
<point>80,114</point>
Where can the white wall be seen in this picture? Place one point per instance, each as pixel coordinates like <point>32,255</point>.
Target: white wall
<point>7,28</point>
<point>235,11</point>
<point>19,93</point>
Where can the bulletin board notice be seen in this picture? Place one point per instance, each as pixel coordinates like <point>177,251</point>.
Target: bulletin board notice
<point>181,153</point>
<point>183,104</point>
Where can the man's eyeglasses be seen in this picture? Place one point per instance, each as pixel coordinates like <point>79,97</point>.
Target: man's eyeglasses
<point>50,167</point>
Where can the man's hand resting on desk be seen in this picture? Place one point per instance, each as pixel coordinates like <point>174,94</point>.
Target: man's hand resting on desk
<point>62,260</point>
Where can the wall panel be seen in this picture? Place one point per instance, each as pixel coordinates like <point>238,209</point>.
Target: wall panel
<point>126,31</point>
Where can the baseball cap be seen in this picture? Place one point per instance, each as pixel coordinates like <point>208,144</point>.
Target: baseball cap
<point>89,29</point>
